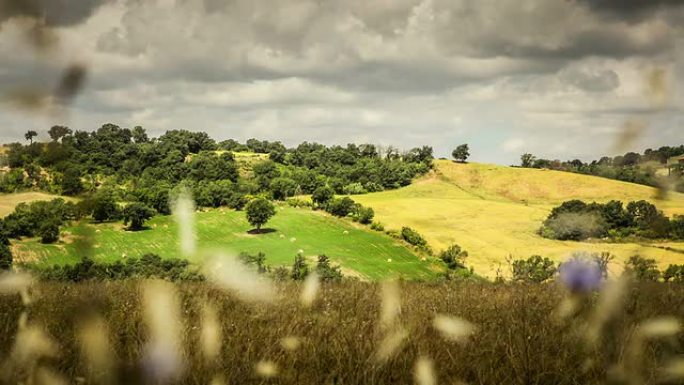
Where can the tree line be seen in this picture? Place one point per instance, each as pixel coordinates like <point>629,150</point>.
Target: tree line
<point>630,167</point>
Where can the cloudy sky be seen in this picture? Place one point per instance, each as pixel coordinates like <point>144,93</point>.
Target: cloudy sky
<point>558,78</point>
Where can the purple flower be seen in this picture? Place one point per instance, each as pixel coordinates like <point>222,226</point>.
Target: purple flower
<point>581,274</point>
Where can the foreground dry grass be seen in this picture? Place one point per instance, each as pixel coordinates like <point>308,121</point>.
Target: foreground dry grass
<point>336,340</point>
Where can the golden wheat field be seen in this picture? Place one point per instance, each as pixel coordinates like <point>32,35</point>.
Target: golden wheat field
<point>494,212</point>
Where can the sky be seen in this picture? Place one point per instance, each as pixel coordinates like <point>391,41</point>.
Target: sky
<point>557,78</point>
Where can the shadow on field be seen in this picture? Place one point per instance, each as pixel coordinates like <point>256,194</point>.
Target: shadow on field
<point>261,231</point>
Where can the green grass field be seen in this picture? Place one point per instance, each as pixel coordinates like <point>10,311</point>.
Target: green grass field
<point>494,212</point>
<point>361,252</point>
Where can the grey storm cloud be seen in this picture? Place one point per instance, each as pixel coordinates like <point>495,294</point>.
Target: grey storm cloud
<point>632,9</point>
<point>404,72</point>
<point>55,13</point>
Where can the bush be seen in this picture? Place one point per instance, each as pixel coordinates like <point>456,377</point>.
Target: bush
<point>5,253</point>
<point>322,195</point>
<point>104,206</point>
<point>299,268</point>
<point>642,268</point>
<point>298,203</point>
<point>326,272</point>
<point>258,260</point>
<point>148,266</point>
<point>674,273</point>
<point>49,231</point>
<point>136,214</point>
<point>283,188</point>
<point>377,226</point>
<point>363,215</point>
<point>413,237</point>
<point>340,207</point>
<point>574,226</point>
<point>454,257</point>
<point>534,269</point>
<point>354,188</point>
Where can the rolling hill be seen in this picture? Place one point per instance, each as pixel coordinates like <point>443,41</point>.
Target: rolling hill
<point>494,212</point>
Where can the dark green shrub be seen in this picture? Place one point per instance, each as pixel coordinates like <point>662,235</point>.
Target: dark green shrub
<point>299,268</point>
<point>5,253</point>
<point>642,268</point>
<point>454,257</point>
<point>136,214</point>
<point>49,231</point>
<point>322,195</point>
<point>413,237</point>
<point>674,273</point>
<point>326,272</point>
<point>340,207</point>
<point>534,269</point>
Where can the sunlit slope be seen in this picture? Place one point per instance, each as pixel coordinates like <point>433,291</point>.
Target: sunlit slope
<point>495,211</point>
<point>360,251</point>
<point>9,201</point>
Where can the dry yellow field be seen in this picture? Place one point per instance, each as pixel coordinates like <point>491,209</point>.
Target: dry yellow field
<point>494,212</point>
<point>9,201</point>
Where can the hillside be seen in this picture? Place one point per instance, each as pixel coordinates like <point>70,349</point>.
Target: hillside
<point>9,201</point>
<point>495,211</point>
<point>361,252</point>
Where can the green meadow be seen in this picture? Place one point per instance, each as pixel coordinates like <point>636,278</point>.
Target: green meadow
<point>361,252</point>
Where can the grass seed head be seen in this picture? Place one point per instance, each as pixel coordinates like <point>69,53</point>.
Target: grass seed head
<point>290,343</point>
<point>266,369</point>
<point>228,273</point>
<point>391,344</point>
<point>311,285</point>
<point>453,328</point>
<point>161,310</point>
<point>424,372</point>
<point>96,350</point>
<point>184,210</point>
<point>210,337</point>
<point>391,303</point>
<point>662,327</point>
<point>13,283</point>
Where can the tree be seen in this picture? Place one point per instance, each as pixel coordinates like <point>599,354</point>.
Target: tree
<point>322,195</point>
<point>104,206</point>
<point>283,188</point>
<point>136,214</point>
<point>299,268</point>
<point>5,253</point>
<point>340,207</point>
<point>259,211</point>
<point>643,269</point>
<point>461,153</point>
<point>534,269</point>
<point>527,160</point>
<point>139,135</point>
<point>58,132</point>
<point>49,231</point>
<point>29,135</point>
<point>454,257</point>
<point>71,181</point>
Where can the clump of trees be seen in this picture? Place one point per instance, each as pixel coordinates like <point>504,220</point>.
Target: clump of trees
<point>147,266</point>
<point>630,167</point>
<point>42,219</point>
<point>577,220</point>
<point>5,253</point>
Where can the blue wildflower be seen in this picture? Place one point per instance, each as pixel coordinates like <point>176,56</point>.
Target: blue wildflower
<point>581,275</point>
